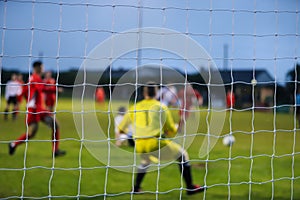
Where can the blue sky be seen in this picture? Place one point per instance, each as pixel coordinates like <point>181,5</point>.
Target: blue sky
<point>256,35</point>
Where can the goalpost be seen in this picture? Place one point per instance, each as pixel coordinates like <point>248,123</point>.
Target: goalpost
<point>228,71</point>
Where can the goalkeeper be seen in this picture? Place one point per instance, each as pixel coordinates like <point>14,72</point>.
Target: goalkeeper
<point>151,121</point>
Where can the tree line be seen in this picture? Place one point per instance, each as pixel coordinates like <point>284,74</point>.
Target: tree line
<point>285,94</point>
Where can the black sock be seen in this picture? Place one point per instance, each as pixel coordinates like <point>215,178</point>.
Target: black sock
<point>185,169</point>
<point>139,178</point>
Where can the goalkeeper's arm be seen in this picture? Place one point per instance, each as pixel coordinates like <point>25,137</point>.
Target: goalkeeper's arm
<point>123,126</point>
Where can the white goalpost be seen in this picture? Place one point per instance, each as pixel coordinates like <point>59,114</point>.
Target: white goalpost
<point>227,78</point>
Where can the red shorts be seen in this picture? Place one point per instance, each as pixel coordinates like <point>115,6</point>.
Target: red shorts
<point>34,116</point>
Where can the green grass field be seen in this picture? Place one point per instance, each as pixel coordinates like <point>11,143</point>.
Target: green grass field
<point>273,171</point>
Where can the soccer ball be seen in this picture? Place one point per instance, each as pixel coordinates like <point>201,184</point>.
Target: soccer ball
<point>228,140</point>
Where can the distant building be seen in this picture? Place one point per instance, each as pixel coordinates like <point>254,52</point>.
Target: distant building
<point>241,80</point>
<point>131,81</point>
<point>243,87</point>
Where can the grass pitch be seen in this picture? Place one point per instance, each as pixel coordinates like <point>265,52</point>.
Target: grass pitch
<point>262,165</point>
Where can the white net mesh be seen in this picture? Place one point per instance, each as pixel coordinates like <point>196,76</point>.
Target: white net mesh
<point>239,124</point>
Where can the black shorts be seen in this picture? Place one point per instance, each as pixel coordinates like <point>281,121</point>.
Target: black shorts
<point>12,100</point>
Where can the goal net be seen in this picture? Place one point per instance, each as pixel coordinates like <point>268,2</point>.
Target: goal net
<point>227,77</point>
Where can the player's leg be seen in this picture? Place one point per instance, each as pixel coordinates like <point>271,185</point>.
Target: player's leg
<point>15,109</point>
<point>143,146</point>
<point>142,170</point>
<point>31,131</point>
<point>186,171</point>
<point>175,150</point>
<point>182,118</point>
<point>183,115</point>
<point>53,124</point>
<point>6,110</point>
<point>184,166</point>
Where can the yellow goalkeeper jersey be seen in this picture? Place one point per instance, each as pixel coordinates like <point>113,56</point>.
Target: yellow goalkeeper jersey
<point>149,118</point>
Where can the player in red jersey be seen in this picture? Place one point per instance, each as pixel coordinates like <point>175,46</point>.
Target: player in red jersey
<point>187,96</point>
<point>230,99</point>
<point>36,112</point>
<point>100,95</point>
<point>50,91</point>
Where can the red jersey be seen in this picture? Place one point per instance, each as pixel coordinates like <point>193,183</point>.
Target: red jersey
<point>100,95</point>
<point>230,99</point>
<point>34,92</point>
<point>186,97</point>
<point>50,89</point>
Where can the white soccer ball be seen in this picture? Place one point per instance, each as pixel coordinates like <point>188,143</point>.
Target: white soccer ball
<point>228,140</point>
